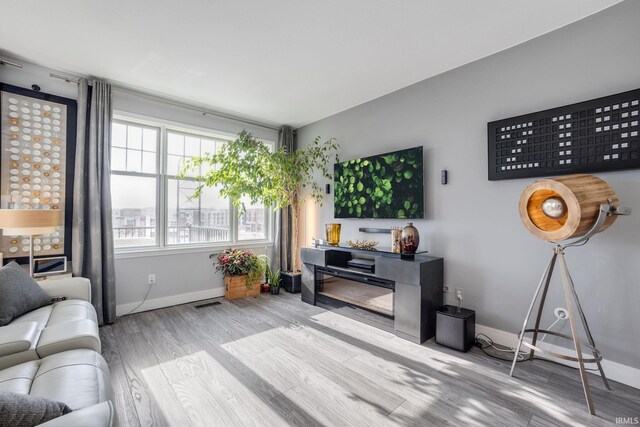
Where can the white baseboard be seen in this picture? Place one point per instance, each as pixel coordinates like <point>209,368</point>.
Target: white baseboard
<point>616,371</point>
<point>152,304</point>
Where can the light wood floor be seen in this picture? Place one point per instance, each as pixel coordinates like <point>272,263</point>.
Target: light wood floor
<point>275,361</point>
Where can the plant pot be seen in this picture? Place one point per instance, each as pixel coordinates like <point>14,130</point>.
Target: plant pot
<point>236,287</point>
<point>292,283</point>
<point>264,288</point>
<point>275,290</point>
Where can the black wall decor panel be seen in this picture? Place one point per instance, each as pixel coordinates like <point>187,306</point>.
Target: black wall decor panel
<point>592,136</point>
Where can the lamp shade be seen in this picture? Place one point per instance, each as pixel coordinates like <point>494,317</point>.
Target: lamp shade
<point>14,222</point>
<point>557,209</point>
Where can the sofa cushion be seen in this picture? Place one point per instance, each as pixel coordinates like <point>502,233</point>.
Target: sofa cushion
<point>18,378</point>
<point>69,336</point>
<point>19,293</point>
<point>18,337</point>
<point>71,310</point>
<point>79,378</point>
<point>23,410</point>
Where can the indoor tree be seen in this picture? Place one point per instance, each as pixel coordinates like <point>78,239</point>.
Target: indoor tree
<point>247,168</point>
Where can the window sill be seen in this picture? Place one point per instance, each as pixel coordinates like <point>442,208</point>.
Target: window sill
<point>187,249</point>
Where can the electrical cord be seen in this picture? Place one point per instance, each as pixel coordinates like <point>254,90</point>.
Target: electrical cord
<point>483,342</point>
<point>139,305</point>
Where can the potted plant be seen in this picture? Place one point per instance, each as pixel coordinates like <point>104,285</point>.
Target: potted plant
<point>248,168</point>
<point>273,279</point>
<point>243,271</point>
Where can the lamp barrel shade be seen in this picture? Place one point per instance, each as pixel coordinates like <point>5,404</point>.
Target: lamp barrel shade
<point>580,195</point>
<point>29,221</point>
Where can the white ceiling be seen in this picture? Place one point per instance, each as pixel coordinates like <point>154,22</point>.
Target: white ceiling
<point>279,61</point>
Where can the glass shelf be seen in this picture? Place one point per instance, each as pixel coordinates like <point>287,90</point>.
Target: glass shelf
<point>380,251</point>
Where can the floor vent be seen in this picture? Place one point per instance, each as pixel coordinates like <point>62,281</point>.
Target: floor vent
<point>206,305</point>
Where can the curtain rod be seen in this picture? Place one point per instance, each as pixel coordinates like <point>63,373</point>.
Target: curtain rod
<point>152,97</point>
<point>13,64</point>
<point>186,105</point>
<point>65,78</point>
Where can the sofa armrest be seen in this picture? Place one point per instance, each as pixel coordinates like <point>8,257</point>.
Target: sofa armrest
<point>18,337</point>
<point>99,415</point>
<point>69,288</point>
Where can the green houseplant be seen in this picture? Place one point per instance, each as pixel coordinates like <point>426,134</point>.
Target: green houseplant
<point>273,279</point>
<point>240,266</point>
<point>248,168</point>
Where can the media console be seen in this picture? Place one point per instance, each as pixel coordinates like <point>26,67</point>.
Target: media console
<point>414,285</point>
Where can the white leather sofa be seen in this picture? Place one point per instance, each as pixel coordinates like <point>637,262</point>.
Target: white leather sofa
<point>65,325</point>
<point>79,378</point>
<point>54,352</point>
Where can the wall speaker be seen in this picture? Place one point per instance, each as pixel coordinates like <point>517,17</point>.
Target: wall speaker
<point>561,208</point>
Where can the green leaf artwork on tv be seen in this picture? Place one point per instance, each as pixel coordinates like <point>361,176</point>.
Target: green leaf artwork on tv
<point>384,186</point>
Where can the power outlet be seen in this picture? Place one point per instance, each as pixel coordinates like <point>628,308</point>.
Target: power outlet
<point>459,294</point>
<point>445,288</point>
<point>152,279</point>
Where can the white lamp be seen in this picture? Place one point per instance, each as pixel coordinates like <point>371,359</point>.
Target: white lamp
<point>31,222</point>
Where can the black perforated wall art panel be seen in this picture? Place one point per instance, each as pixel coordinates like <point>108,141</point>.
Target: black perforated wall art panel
<point>593,136</point>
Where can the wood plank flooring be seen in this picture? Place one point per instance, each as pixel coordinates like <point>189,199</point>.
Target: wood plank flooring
<point>275,361</point>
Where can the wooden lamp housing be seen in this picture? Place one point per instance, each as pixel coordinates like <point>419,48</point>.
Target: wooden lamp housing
<point>581,196</point>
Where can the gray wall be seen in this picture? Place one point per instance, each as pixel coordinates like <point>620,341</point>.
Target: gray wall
<point>474,223</point>
<point>180,275</point>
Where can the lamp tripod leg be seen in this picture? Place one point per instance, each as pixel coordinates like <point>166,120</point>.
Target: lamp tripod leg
<point>546,277</point>
<point>566,282</point>
<point>534,339</point>
<point>588,331</point>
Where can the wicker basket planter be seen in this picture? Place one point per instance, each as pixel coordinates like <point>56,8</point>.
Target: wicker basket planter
<point>236,287</point>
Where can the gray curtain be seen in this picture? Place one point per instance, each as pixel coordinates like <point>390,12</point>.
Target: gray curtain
<point>92,236</point>
<point>282,251</point>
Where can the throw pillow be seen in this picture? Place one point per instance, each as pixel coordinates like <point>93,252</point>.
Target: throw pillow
<point>19,293</point>
<point>24,410</point>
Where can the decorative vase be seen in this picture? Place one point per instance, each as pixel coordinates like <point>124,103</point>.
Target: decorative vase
<point>333,234</point>
<point>396,238</point>
<point>410,239</point>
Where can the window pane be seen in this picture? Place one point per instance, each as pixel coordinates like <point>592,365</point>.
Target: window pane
<point>134,138</point>
<point>118,159</point>
<point>134,161</point>
<point>150,140</point>
<point>196,220</point>
<point>207,146</point>
<point>148,162</point>
<point>192,146</point>
<point>173,164</point>
<point>252,224</point>
<point>134,210</point>
<point>175,143</point>
<point>119,135</point>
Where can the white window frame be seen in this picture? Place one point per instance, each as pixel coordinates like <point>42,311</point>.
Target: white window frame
<point>162,187</point>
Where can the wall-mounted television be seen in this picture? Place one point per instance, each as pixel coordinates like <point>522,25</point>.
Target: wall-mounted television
<point>389,185</point>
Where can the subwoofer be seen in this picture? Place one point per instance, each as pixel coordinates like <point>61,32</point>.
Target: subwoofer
<point>566,207</point>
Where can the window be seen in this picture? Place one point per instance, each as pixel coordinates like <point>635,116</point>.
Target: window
<point>152,206</point>
<point>134,184</point>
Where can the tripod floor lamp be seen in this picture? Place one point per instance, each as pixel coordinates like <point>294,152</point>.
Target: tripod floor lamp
<point>566,212</point>
<point>29,222</point>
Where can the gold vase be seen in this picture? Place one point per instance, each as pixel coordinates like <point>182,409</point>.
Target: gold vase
<point>333,234</point>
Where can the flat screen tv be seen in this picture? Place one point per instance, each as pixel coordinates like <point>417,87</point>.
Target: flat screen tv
<point>388,185</point>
